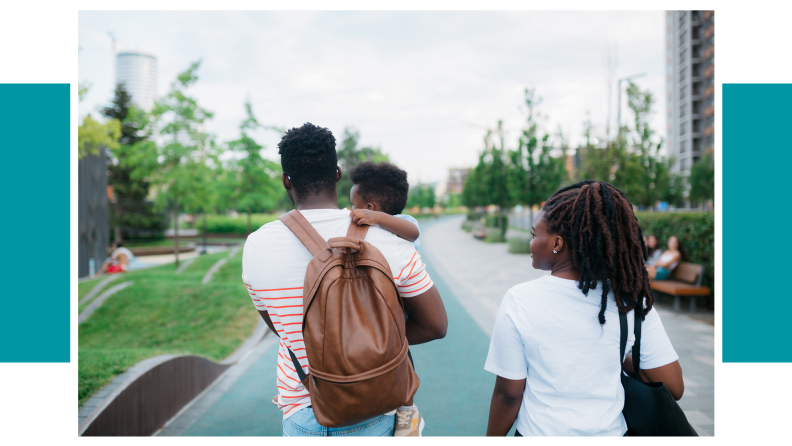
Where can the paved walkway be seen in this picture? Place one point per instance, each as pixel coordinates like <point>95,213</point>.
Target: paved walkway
<point>455,391</point>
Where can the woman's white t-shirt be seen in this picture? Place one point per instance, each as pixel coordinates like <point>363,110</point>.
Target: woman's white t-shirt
<point>547,332</point>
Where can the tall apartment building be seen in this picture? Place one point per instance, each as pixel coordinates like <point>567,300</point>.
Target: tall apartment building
<point>690,86</point>
<point>138,71</point>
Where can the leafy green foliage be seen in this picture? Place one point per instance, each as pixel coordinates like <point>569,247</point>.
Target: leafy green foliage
<point>135,160</point>
<point>249,182</point>
<point>349,156</point>
<point>702,179</point>
<point>93,135</point>
<point>225,224</point>
<point>695,231</point>
<point>421,196</point>
<point>535,173</point>
<point>519,245</point>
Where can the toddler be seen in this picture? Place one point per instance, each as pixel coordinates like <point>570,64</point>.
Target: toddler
<point>378,196</point>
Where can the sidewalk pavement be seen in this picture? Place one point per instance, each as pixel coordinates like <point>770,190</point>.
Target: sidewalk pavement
<point>455,391</point>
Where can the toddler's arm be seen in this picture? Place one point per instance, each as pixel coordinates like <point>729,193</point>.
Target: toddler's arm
<point>396,225</point>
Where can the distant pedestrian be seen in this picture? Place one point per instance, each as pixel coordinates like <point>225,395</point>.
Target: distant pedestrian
<point>668,261</point>
<point>652,250</point>
<point>555,342</point>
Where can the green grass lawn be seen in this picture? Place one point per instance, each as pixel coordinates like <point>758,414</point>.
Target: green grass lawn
<point>164,313</point>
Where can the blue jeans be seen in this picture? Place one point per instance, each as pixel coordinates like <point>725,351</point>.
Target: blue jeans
<point>304,424</point>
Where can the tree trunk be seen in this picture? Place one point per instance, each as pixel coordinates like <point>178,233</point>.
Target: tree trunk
<point>248,221</point>
<point>176,229</point>
<point>117,230</point>
<point>204,233</point>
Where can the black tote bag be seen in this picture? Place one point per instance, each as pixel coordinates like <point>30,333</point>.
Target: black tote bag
<point>649,408</point>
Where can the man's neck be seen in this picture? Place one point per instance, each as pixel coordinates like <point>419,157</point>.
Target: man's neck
<point>317,202</point>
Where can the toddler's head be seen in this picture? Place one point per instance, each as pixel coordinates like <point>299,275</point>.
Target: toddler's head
<point>379,186</point>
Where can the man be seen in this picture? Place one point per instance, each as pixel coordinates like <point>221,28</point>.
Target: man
<point>274,263</point>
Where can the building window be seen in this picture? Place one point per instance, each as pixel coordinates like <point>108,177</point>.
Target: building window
<point>682,17</point>
<point>682,38</point>
<point>682,128</point>
<point>682,75</point>
<point>682,110</point>
<point>683,164</point>
<point>682,55</point>
<point>682,146</point>
<point>682,93</point>
<point>696,128</point>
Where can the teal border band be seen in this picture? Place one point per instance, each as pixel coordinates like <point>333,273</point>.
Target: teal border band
<point>35,262</point>
<point>757,158</point>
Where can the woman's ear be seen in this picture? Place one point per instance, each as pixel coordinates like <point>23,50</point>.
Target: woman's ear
<point>558,244</point>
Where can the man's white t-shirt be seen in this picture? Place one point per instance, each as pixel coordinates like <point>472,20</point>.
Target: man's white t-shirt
<point>547,332</point>
<point>274,262</point>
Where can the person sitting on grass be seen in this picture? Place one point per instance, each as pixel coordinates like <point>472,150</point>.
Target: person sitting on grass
<point>378,195</point>
<point>118,261</point>
<point>669,260</point>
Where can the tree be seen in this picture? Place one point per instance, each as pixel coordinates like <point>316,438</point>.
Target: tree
<point>93,135</point>
<point>253,179</point>
<point>134,160</point>
<point>186,148</point>
<point>421,196</point>
<point>535,175</point>
<point>702,179</point>
<point>490,182</point>
<point>349,156</point>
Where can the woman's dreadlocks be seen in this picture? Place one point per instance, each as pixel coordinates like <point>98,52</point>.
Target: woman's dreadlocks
<point>607,242</point>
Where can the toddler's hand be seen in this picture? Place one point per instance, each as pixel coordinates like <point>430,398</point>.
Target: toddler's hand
<point>365,217</point>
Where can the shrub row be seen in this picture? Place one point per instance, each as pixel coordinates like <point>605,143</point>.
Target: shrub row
<point>520,245</point>
<point>226,224</point>
<point>695,231</point>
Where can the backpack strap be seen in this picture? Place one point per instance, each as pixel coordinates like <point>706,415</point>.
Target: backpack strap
<point>357,231</point>
<point>297,223</point>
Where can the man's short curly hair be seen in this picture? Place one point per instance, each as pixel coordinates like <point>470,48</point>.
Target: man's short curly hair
<point>308,157</point>
<point>383,184</point>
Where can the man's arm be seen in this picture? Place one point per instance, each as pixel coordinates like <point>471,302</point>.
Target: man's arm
<point>505,405</point>
<point>268,321</point>
<point>428,319</point>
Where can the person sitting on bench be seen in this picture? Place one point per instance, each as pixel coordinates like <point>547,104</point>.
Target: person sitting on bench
<point>668,261</point>
<point>118,261</point>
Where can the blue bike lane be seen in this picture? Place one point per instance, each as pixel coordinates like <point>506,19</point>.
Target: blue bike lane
<point>454,395</point>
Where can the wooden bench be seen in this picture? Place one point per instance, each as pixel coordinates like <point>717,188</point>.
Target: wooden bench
<point>685,280</point>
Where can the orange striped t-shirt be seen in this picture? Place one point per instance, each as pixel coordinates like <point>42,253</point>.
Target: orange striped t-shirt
<point>274,262</point>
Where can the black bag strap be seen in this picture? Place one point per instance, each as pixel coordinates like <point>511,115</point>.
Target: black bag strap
<point>636,355</point>
<point>297,366</point>
<point>623,340</point>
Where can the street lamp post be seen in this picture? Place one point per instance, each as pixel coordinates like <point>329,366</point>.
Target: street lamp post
<point>627,78</point>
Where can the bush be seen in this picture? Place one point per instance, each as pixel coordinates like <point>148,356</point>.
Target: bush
<point>225,224</point>
<point>494,235</point>
<point>467,225</point>
<point>519,245</point>
<point>696,232</point>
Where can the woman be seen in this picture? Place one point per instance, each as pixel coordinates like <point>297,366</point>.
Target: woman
<point>555,339</point>
<point>667,261</point>
<point>653,252</point>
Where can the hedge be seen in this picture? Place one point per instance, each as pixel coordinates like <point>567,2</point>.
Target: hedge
<point>225,224</point>
<point>519,245</point>
<point>696,233</point>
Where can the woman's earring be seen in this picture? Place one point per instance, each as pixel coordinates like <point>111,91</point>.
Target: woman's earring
<point>555,252</point>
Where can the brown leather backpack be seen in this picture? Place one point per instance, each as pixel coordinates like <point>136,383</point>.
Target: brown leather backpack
<point>353,327</point>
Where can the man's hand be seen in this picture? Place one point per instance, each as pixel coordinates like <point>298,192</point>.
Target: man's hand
<point>366,217</point>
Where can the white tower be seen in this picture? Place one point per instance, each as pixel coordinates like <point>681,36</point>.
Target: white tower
<point>138,72</point>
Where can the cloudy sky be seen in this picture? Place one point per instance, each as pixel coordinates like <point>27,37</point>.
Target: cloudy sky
<point>423,86</point>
